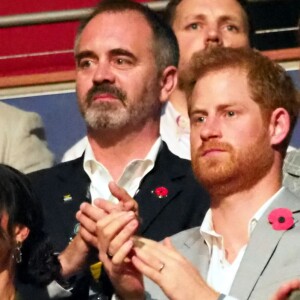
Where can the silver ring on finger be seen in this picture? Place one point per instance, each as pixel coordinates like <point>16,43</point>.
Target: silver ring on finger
<point>161,267</point>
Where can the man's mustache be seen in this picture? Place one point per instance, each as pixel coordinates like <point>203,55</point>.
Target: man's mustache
<point>106,88</point>
<point>214,145</point>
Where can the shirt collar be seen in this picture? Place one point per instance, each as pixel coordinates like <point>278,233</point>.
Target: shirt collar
<point>130,179</point>
<point>207,229</point>
<point>90,157</point>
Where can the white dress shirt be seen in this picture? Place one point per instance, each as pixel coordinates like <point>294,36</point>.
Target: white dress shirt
<point>130,179</point>
<point>221,273</point>
<point>76,150</point>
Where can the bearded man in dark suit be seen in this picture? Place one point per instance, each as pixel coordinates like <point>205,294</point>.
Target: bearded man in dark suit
<point>122,80</point>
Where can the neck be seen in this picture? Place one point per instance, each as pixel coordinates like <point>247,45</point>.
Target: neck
<point>116,148</point>
<point>179,102</point>
<point>7,290</point>
<point>231,213</point>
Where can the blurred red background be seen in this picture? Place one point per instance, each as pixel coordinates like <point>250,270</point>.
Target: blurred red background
<point>36,49</point>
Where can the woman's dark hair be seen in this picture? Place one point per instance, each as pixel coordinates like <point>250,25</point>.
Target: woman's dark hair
<point>6,247</point>
<point>18,200</point>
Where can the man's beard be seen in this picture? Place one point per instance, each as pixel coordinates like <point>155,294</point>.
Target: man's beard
<point>232,171</point>
<point>116,114</point>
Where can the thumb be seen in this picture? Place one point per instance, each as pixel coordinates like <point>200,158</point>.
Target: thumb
<point>120,193</point>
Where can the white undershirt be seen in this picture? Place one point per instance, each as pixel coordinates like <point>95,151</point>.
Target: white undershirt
<point>130,179</point>
<point>221,273</point>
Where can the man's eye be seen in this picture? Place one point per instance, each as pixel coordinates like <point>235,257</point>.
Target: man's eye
<point>84,64</point>
<point>201,119</point>
<point>230,114</point>
<point>193,26</point>
<point>232,28</point>
<point>122,62</point>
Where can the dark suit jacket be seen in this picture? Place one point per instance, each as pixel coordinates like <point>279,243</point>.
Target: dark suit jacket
<point>183,208</point>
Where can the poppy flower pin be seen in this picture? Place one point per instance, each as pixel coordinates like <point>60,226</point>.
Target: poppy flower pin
<point>161,192</point>
<point>281,219</point>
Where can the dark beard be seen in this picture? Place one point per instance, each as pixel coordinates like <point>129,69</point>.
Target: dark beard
<point>105,88</point>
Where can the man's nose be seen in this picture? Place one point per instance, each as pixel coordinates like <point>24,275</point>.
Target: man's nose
<point>103,73</point>
<point>213,37</point>
<point>210,129</point>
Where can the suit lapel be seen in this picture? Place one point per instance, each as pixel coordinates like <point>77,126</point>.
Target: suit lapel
<point>75,183</point>
<point>162,175</point>
<point>197,252</point>
<point>261,247</point>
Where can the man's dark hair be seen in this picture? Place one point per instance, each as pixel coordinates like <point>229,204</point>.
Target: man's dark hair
<point>170,13</point>
<point>166,50</point>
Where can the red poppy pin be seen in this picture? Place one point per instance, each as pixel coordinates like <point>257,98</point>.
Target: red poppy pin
<point>281,219</point>
<point>161,192</point>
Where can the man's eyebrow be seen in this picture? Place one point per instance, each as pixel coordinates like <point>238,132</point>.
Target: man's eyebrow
<point>194,17</point>
<point>113,52</point>
<point>83,54</point>
<point>196,110</point>
<point>226,106</point>
<point>121,51</point>
<point>226,18</point>
<point>220,107</point>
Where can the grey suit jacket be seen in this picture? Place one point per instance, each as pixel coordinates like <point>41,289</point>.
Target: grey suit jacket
<point>271,258</point>
<point>22,140</point>
<point>291,171</point>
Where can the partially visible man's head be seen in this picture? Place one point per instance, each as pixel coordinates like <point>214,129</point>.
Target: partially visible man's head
<point>269,84</point>
<point>172,12</point>
<point>243,108</point>
<point>199,24</point>
<point>122,51</point>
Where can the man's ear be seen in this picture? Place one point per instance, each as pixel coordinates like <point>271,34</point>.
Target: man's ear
<point>168,82</point>
<point>21,233</point>
<point>279,126</point>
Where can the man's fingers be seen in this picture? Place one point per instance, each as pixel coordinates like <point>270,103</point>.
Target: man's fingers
<point>128,202</point>
<point>123,252</point>
<point>108,206</point>
<point>123,236</point>
<point>167,242</point>
<point>86,222</point>
<point>109,227</point>
<point>119,192</point>
<point>94,213</point>
<point>88,237</point>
